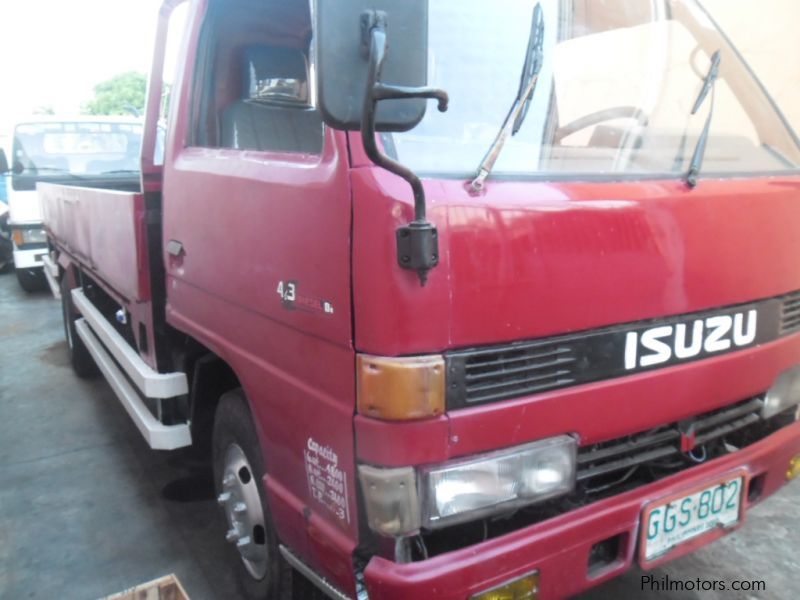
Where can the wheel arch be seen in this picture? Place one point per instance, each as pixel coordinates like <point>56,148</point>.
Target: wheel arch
<point>211,377</point>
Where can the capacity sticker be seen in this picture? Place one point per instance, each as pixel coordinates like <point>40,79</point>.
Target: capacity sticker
<point>327,482</point>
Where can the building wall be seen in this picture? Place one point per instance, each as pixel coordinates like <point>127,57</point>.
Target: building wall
<point>762,30</point>
<point>765,32</point>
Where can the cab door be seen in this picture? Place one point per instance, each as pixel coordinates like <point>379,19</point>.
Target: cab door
<point>256,233</point>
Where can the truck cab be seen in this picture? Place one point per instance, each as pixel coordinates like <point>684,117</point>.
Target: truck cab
<point>91,151</point>
<point>460,303</point>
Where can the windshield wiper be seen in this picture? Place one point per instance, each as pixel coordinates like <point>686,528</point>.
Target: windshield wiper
<point>519,108</point>
<point>120,172</point>
<point>700,148</point>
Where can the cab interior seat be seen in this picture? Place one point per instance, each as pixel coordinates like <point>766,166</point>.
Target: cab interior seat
<point>274,113</point>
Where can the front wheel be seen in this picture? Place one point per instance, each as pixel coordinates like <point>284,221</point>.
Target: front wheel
<point>238,477</point>
<point>31,280</point>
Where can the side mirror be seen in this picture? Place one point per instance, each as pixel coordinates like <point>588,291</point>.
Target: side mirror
<point>372,58</point>
<point>343,60</point>
<point>3,162</point>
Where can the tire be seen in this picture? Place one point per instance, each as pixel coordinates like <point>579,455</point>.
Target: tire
<point>82,362</point>
<point>6,246</point>
<point>31,280</point>
<point>6,256</point>
<point>303,589</point>
<point>262,573</point>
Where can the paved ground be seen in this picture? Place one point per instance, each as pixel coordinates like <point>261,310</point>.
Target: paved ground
<point>86,509</point>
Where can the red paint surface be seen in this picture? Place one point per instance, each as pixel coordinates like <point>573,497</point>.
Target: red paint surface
<point>105,230</point>
<point>529,260</point>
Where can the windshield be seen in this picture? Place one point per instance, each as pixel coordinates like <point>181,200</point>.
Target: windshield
<point>614,97</point>
<point>80,149</point>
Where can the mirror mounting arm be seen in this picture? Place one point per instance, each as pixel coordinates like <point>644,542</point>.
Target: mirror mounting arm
<point>417,242</point>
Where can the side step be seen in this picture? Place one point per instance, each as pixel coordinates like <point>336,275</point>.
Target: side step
<point>151,383</point>
<point>103,341</point>
<point>309,573</point>
<point>157,435</point>
<point>51,273</point>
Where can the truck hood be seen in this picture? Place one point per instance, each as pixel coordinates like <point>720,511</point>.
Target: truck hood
<point>529,260</point>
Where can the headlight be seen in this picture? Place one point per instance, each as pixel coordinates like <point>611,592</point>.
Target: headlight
<point>29,236</point>
<point>784,394</point>
<point>499,481</point>
<point>400,501</point>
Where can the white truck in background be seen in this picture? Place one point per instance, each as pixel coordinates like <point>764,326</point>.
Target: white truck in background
<point>84,151</point>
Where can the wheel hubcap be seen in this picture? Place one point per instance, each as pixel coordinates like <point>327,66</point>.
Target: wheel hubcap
<point>242,505</point>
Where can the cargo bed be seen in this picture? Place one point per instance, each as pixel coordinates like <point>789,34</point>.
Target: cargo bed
<point>103,229</point>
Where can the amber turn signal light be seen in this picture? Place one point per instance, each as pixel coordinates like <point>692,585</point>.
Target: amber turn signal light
<point>398,389</point>
<point>793,472</point>
<point>524,588</point>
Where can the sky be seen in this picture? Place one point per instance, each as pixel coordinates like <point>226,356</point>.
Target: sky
<point>55,51</point>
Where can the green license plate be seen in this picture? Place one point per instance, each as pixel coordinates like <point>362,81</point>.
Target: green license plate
<point>670,523</point>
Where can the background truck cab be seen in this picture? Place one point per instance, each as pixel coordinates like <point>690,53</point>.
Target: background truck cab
<point>91,151</point>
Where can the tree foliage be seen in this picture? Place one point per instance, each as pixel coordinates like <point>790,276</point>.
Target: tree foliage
<point>118,95</point>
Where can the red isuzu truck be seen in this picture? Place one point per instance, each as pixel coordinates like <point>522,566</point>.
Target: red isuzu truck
<point>462,300</point>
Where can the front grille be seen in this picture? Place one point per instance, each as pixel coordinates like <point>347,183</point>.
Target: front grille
<point>493,373</point>
<point>620,465</point>
<point>790,314</point>
<point>523,369</point>
<point>602,466</point>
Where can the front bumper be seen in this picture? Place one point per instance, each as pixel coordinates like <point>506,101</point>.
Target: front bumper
<point>560,547</point>
<point>30,257</point>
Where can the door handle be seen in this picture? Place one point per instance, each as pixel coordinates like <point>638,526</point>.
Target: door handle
<point>175,248</point>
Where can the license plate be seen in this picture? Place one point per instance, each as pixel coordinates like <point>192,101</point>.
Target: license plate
<point>670,523</point>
